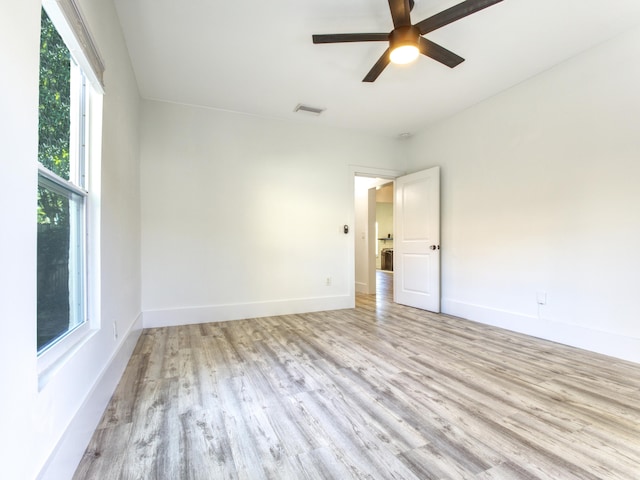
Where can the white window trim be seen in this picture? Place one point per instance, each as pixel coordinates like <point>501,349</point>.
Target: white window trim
<point>54,356</point>
<point>72,27</point>
<point>52,359</point>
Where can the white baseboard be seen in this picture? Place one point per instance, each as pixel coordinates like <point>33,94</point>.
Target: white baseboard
<point>221,313</point>
<point>614,345</point>
<point>67,454</point>
<point>362,287</point>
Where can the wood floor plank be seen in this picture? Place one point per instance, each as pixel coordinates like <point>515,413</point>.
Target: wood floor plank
<point>381,391</point>
<point>322,464</point>
<point>506,471</point>
<point>103,457</point>
<point>206,451</point>
<point>362,453</point>
<point>602,459</point>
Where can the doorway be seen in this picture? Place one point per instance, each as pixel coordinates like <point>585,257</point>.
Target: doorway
<point>373,230</point>
<point>415,233</point>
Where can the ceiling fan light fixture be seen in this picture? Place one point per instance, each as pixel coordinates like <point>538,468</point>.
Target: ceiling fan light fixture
<point>403,42</point>
<point>404,54</point>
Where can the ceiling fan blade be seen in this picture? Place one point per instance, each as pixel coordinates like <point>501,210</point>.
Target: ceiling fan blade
<point>452,14</point>
<point>400,10</point>
<point>351,37</point>
<point>438,53</point>
<point>377,69</point>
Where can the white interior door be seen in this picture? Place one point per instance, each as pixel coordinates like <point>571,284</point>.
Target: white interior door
<point>417,240</point>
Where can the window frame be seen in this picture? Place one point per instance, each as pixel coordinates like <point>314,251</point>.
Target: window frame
<point>60,186</point>
<point>85,104</point>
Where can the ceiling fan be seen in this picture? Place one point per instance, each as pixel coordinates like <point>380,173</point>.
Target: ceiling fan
<point>406,42</point>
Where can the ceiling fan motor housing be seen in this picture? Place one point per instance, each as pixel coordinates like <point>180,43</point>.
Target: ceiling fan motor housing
<point>401,36</point>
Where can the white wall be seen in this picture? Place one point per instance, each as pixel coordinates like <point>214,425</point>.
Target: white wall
<point>540,194</point>
<point>19,31</point>
<point>62,415</point>
<point>242,216</point>
<point>364,221</point>
<point>361,232</point>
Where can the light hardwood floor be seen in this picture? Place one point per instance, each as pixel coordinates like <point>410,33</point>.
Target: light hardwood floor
<point>378,392</point>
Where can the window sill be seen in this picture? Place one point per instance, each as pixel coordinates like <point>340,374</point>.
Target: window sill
<point>53,359</point>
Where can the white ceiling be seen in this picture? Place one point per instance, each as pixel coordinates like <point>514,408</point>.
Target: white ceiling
<point>257,57</point>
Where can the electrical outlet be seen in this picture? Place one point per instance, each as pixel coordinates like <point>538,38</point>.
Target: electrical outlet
<point>541,298</point>
<point>327,281</point>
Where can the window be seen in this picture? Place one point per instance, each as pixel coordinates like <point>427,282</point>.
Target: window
<point>62,191</point>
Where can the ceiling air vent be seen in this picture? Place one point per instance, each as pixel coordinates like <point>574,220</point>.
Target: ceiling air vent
<point>307,109</point>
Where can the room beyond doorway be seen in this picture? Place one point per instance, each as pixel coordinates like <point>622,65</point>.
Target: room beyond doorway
<point>373,229</point>
<point>384,227</point>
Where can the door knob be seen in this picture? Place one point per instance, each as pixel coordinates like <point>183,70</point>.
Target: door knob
<point>435,247</point>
